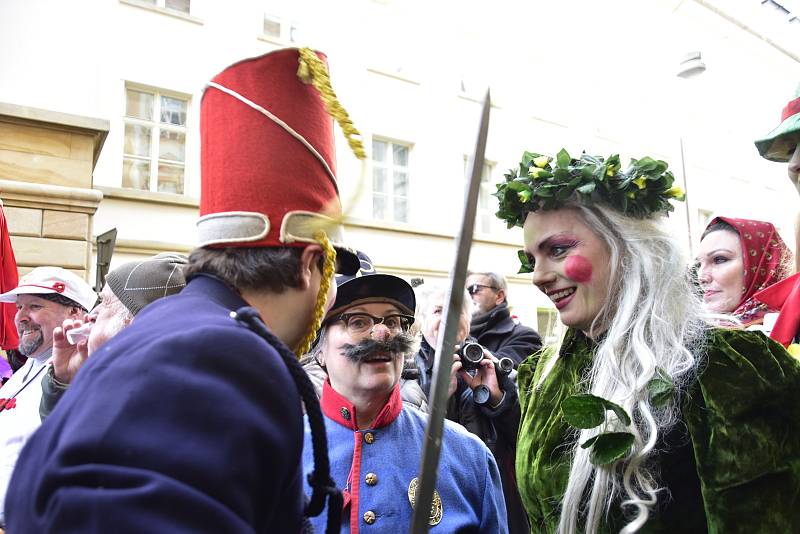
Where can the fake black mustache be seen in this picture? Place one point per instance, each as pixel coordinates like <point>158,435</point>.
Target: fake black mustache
<point>398,345</point>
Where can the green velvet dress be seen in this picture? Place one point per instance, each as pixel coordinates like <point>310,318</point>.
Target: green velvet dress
<point>733,465</point>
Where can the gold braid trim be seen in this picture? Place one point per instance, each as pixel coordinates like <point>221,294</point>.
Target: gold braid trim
<point>312,70</point>
<point>328,267</point>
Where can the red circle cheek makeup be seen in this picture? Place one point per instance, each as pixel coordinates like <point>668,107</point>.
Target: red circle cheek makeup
<point>578,268</point>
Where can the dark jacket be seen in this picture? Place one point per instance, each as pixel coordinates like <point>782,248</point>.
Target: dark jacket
<point>497,427</point>
<point>498,332</point>
<point>185,422</point>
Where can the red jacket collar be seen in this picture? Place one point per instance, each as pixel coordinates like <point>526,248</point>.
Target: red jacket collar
<point>341,410</point>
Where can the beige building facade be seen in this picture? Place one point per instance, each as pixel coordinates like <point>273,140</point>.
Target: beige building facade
<point>100,111</point>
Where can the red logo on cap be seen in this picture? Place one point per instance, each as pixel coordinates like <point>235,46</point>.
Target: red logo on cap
<point>58,287</point>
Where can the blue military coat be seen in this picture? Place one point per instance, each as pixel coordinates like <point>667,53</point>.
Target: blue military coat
<point>185,422</point>
<point>377,468</point>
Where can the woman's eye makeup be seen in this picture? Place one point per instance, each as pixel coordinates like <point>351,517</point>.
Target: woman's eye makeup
<point>559,248</point>
<point>719,259</point>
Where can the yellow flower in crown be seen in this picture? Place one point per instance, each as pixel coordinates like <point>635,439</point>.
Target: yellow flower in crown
<point>676,192</point>
<point>641,182</point>
<point>542,161</point>
<point>534,172</point>
<point>611,170</point>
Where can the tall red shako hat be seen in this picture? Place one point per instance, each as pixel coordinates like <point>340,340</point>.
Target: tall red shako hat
<point>268,167</point>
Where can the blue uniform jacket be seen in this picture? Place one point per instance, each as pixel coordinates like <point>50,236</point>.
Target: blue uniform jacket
<point>185,422</point>
<point>375,468</point>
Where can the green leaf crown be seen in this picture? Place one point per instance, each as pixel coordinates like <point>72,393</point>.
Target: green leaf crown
<point>643,189</point>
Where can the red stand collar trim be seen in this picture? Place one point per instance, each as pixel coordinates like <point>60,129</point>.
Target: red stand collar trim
<point>341,410</point>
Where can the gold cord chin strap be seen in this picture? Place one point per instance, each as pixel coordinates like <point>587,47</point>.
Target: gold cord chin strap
<point>312,70</point>
<point>328,268</point>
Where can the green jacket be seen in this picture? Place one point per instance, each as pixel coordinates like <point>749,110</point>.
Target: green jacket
<point>733,465</point>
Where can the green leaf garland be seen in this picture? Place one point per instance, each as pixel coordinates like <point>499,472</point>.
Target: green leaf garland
<point>645,188</point>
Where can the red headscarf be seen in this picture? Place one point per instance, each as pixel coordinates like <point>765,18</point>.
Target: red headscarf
<point>764,255</point>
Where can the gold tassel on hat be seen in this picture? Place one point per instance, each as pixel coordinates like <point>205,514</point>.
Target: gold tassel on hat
<point>328,267</point>
<point>312,70</point>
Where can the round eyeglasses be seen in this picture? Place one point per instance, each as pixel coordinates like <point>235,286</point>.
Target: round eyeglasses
<point>360,323</point>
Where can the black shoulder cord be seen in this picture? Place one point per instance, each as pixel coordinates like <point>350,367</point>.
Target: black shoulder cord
<point>322,485</point>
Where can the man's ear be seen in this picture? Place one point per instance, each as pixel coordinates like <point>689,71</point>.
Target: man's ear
<point>501,297</point>
<point>309,260</point>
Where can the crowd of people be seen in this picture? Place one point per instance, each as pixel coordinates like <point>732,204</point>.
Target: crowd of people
<point>273,381</point>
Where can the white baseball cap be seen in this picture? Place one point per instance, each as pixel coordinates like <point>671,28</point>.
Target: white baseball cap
<point>43,280</point>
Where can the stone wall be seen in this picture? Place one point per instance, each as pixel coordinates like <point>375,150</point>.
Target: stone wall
<point>46,165</point>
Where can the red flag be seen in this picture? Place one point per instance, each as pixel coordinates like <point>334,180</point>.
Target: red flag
<point>9,279</point>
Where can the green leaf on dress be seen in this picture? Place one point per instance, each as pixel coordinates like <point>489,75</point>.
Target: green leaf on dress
<point>589,411</point>
<point>609,447</point>
<point>660,388</point>
<point>584,411</point>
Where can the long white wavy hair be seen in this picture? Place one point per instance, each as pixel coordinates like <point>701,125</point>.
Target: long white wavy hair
<point>652,319</point>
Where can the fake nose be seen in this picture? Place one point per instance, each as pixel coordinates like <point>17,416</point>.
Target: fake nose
<point>379,332</point>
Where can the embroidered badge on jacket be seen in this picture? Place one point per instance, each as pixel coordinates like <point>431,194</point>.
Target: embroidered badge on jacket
<point>437,510</point>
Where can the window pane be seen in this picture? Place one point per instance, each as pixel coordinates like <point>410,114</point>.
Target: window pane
<point>378,150</point>
<point>135,174</point>
<point>379,206</point>
<point>400,183</point>
<point>170,178</point>
<point>400,155</point>
<point>400,209</point>
<point>173,111</point>
<point>137,140</point>
<point>139,104</point>
<point>486,223</point>
<point>486,173</point>
<point>483,199</point>
<point>379,180</point>
<point>178,5</point>
<point>272,27</point>
<point>172,145</point>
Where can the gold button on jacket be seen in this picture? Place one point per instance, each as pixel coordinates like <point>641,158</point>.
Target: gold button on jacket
<point>371,479</point>
<point>369,517</point>
<point>368,437</point>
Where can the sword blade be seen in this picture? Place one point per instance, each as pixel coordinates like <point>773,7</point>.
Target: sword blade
<point>444,348</point>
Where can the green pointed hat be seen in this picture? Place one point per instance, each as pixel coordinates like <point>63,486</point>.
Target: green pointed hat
<point>781,142</point>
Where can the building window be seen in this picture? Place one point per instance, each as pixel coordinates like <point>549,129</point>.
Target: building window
<point>181,6</point>
<point>154,153</point>
<point>390,182</point>
<point>279,29</point>
<point>703,218</point>
<point>487,204</point>
<point>547,319</point>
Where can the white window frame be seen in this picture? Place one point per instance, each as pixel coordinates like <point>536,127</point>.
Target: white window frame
<point>156,126</point>
<point>485,194</point>
<point>289,29</point>
<point>390,167</point>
